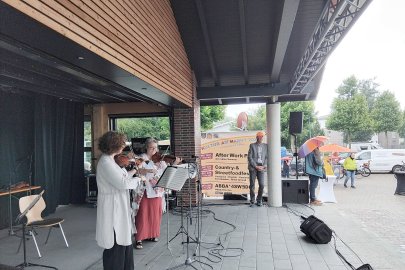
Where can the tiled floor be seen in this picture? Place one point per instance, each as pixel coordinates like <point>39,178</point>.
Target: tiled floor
<point>370,219</point>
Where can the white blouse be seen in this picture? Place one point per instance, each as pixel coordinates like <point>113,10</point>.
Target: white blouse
<point>151,178</point>
<point>113,208</point>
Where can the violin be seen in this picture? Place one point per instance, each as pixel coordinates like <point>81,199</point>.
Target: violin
<point>129,163</point>
<point>157,157</point>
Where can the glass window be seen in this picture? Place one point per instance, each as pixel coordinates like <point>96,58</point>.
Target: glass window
<point>365,156</point>
<point>87,144</point>
<point>157,127</point>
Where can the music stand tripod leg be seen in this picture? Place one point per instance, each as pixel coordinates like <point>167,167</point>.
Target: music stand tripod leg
<point>182,229</point>
<point>189,261</point>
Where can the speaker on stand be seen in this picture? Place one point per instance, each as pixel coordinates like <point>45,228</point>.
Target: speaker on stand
<point>295,127</point>
<point>296,121</point>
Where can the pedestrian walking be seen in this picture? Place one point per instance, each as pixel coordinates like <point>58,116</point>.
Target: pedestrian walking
<point>350,167</point>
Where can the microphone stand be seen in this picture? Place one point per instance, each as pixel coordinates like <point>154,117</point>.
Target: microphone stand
<point>199,213</point>
<point>296,156</point>
<point>21,161</point>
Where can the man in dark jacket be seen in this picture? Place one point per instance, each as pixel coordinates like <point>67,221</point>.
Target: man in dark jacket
<point>257,163</point>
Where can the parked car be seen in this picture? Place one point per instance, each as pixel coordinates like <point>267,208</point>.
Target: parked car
<point>381,160</point>
<point>360,146</point>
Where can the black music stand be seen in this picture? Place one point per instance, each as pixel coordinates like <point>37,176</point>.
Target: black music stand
<point>19,220</point>
<point>182,230</point>
<point>173,178</point>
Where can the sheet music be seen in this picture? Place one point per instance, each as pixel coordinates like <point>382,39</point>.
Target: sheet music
<point>173,178</point>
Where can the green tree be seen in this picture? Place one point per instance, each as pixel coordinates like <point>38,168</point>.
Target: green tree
<point>401,130</point>
<point>311,127</point>
<point>349,115</point>
<point>87,131</point>
<point>348,89</point>
<point>351,109</point>
<point>257,120</point>
<point>368,88</point>
<point>210,115</point>
<point>386,113</point>
<point>157,127</point>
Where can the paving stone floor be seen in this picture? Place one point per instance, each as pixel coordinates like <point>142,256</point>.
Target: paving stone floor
<point>369,219</point>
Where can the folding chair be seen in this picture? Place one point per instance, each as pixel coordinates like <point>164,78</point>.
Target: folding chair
<point>35,220</point>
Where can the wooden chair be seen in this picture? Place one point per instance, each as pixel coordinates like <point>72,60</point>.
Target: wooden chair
<point>35,220</point>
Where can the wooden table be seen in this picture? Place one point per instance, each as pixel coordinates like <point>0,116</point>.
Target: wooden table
<point>14,191</point>
<point>18,190</point>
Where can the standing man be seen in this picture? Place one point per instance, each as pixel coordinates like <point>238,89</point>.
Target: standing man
<point>257,163</point>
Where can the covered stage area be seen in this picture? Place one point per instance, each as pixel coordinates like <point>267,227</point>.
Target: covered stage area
<point>64,63</point>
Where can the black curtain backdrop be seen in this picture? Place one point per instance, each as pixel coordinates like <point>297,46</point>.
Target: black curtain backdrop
<point>42,136</point>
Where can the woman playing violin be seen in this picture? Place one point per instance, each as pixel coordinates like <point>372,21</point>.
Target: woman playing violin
<point>114,224</point>
<point>149,216</point>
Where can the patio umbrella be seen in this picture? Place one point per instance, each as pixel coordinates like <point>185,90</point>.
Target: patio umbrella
<point>334,148</point>
<point>309,146</point>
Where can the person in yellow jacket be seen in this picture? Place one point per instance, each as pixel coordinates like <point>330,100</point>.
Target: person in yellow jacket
<point>350,167</point>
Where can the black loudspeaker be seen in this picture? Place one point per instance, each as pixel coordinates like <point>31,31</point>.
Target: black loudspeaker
<point>295,191</point>
<point>316,230</point>
<point>137,145</point>
<point>230,196</point>
<point>295,126</point>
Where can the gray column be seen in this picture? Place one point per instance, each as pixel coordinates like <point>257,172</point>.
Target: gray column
<point>274,152</point>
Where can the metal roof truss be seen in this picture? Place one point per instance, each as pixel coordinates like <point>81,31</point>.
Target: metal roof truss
<point>337,18</point>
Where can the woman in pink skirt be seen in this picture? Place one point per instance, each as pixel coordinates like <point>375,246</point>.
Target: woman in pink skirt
<point>149,215</point>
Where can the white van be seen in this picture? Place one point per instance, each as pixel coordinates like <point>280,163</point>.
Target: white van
<point>360,146</point>
<point>381,160</point>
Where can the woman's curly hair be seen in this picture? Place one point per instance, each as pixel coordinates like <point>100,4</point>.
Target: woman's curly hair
<point>111,142</point>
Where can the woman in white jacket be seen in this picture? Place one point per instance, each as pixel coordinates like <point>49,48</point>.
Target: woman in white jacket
<point>114,224</point>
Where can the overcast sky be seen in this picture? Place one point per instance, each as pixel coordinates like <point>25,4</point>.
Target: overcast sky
<point>373,48</point>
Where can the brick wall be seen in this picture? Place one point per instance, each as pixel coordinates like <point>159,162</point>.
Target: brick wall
<point>187,142</point>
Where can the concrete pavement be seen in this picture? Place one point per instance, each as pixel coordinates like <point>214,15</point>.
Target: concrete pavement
<point>370,219</point>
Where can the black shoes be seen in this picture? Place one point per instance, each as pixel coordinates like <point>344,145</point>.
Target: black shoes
<point>258,204</point>
<point>353,187</point>
<point>345,185</point>
<point>138,245</point>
